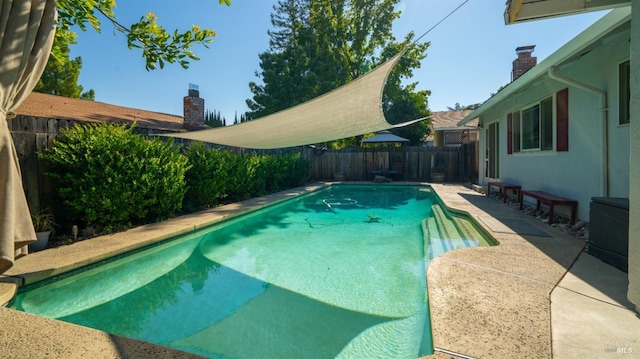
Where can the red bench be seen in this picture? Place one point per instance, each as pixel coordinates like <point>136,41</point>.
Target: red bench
<point>504,187</point>
<point>552,201</point>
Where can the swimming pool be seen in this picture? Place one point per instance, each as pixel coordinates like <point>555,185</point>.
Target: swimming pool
<point>346,278</point>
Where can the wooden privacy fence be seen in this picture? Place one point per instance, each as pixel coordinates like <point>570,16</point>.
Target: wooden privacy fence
<point>32,135</point>
<point>359,164</point>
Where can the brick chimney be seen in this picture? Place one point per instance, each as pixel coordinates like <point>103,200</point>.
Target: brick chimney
<point>524,61</point>
<point>193,110</point>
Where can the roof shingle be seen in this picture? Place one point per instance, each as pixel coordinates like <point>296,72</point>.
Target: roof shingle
<point>64,108</point>
<point>448,119</point>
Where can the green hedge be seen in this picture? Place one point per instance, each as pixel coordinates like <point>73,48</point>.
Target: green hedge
<point>108,175</point>
<point>218,175</point>
<point>210,176</point>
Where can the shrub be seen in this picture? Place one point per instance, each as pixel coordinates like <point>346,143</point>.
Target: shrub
<point>216,175</point>
<point>258,175</point>
<point>209,178</point>
<point>108,175</point>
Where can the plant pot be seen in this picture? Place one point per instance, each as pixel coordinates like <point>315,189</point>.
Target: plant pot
<point>41,242</point>
<point>437,177</point>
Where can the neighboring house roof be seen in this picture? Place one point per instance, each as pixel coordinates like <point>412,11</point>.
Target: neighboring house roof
<point>584,42</point>
<point>447,120</point>
<point>64,108</point>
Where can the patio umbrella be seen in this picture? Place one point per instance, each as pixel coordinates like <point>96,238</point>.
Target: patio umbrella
<point>27,28</point>
<point>384,137</point>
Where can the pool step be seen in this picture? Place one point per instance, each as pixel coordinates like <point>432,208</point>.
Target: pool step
<point>470,232</point>
<point>446,225</point>
<point>444,233</point>
<point>434,245</point>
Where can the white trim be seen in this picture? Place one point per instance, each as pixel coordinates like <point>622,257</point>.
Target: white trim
<point>607,23</point>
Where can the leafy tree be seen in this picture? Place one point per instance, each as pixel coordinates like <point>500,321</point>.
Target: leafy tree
<point>157,45</point>
<point>456,107</point>
<point>213,119</point>
<point>459,107</point>
<point>402,102</point>
<point>285,64</point>
<point>319,45</point>
<point>60,76</point>
<point>243,118</point>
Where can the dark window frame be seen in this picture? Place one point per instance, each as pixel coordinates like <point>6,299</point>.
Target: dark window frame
<point>624,93</point>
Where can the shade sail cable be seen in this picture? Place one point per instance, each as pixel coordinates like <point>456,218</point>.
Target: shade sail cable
<point>441,21</point>
<point>350,110</point>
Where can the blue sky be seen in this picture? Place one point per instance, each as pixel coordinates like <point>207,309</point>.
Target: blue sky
<point>469,58</point>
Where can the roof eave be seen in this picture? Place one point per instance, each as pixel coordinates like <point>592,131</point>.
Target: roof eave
<point>517,11</point>
<point>600,28</point>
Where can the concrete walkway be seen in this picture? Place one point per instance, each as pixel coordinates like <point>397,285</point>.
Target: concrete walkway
<point>536,295</point>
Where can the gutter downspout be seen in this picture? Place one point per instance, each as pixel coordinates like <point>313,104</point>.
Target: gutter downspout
<point>605,123</point>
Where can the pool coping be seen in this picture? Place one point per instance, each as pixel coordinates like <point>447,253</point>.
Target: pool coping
<point>485,302</point>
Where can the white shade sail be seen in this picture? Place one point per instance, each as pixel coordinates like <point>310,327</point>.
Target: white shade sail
<point>350,110</point>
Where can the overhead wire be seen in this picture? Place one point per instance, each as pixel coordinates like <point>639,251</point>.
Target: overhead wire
<point>441,20</point>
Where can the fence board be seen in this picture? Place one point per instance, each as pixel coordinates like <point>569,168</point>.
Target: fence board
<point>32,135</point>
<point>352,163</point>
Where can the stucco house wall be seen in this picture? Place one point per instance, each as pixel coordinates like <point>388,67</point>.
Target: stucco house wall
<point>579,173</point>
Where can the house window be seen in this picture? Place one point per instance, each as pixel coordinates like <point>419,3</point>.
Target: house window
<point>624,70</point>
<point>492,151</point>
<point>530,123</point>
<point>516,132</point>
<point>535,127</point>
<point>546,124</point>
<point>532,128</point>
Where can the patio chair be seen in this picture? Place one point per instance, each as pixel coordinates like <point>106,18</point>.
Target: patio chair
<point>396,169</point>
<point>372,169</point>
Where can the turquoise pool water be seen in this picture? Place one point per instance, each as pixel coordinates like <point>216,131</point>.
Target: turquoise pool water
<point>339,273</point>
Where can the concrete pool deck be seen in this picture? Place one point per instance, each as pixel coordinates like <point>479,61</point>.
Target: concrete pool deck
<point>536,295</point>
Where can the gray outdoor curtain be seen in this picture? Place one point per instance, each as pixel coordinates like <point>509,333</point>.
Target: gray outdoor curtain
<point>27,28</point>
<point>350,110</point>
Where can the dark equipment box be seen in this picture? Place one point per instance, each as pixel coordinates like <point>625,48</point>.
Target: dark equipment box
<point>609,230</point>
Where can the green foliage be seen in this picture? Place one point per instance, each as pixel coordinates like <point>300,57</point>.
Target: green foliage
<point>213,119</point>
<point>158,46</point>
<point>258,175</point>
<point>43,221</point>
<point>108,175</point>
<point>60,76</point>
<point>459,107</point>
<point>402,101</point>
<point>317,46</point>
<point>209,176</point>
<point>217,175</point>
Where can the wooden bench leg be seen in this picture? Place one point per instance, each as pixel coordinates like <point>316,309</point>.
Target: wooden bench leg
<point>551,205</point>
<point>521,200</point>
<point>574,209</point>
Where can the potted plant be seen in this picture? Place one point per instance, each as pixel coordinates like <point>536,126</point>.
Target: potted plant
<point>44,223</point>
<point>437,172</point>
